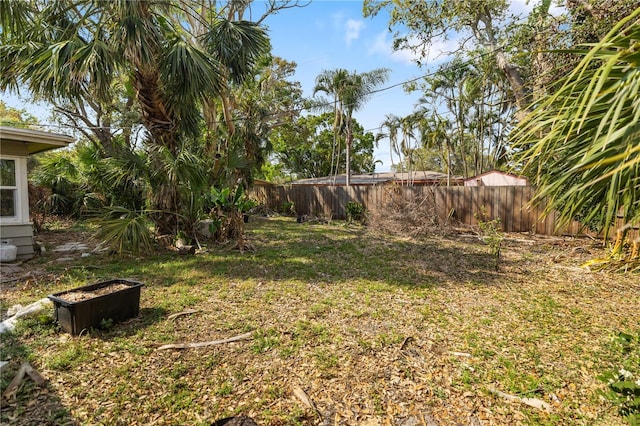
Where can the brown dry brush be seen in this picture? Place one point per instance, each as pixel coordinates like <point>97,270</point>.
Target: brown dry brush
<point>404,213</point>
<point>624,256</point>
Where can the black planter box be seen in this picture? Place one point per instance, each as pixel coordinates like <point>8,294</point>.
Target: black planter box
<point>75,316</point>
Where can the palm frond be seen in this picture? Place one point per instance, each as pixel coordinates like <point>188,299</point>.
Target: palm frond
<point>238,45</point>
<point>126,230</point>
<point>582,142</point>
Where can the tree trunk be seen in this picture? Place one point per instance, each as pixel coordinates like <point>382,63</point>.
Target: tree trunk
<point>486,35</point>
<point>164,134</point>
<point>155,116</point>
<point>349,142</point>
<point>516,82</point>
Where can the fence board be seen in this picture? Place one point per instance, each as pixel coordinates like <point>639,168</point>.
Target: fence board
<point>517,210</point>
<point>464,204</point>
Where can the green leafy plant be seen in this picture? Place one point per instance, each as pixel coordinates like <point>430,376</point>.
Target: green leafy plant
<point>106,324</point>
<point>355,212</point>
<point>623,384</point>
<point>288,208</point>
<point>491,235</point>
<point>228,206</point>
<point>581,139</point>
<point>229,199</point>
<point>126,230</point>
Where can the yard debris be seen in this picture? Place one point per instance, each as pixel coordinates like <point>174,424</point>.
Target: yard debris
<point>406,342</point>
<point>25,368</point>
<point>408,215</point>
<point>10,323</point>
<point>531,402</point>
<point>244,336</point>
<point>183,250</point>
<point>302,396</point>
<point>178,314</point>
<point>340,338</point>
<point>460,354</point>
<point>9,278</point>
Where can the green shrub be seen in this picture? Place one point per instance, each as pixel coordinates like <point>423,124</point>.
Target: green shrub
<point>355,212</point>
<point>288,208</point>
<point>491,235</point>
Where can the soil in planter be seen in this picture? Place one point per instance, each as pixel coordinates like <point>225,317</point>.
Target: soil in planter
<point>78,296</point>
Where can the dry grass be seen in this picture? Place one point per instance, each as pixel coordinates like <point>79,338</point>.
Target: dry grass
<point>376,330</point>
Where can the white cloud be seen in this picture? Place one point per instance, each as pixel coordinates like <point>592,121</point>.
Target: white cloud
<point>337,18</point>
<point>525,6</point>
<point>352,30</point>
<point>521,6</point>
<point>439,50</point>
<point>382,46</point>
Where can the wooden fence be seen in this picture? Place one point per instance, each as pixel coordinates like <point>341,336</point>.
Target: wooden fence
<point>459,205</point>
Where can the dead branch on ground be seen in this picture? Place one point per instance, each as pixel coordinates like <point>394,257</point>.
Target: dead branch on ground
<point>531,402</point>
<point>178,314</point>
<point>25,369</point>
<point>244,336</point>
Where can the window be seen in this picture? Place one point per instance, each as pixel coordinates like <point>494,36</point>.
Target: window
<point>8,188</point>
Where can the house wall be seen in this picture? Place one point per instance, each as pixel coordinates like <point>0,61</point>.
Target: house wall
<point>16,145</point>
<point>18,229</point>
<point>496,179</point>
<point>21,236</point>
<point>22,195</point>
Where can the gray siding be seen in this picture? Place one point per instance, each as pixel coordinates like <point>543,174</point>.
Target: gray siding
<point>21,236</point>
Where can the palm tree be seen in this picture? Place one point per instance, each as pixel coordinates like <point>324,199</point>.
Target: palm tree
<point>350,91</point>
<point>581,143</point>
<point>437,132</point>
<point>408,125</point>
<point>77,50</point>
<point>332,82</point>
<point>392,126</point>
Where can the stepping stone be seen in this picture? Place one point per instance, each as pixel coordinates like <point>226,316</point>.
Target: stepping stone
<point>72,246</point>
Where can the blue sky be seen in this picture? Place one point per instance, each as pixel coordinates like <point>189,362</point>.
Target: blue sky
<point>328,35</point>
<point>331,34</point>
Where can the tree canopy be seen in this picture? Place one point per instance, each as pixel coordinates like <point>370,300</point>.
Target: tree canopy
<point>350,91</point>
<point>13,117</point>
<point>306,148</point>
<point>154,64</point>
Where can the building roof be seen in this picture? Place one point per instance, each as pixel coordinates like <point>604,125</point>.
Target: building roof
<point>35,140</point>
<point>415,178</point>
<point>496,171</point>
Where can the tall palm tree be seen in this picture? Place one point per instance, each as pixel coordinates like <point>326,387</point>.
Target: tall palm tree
<point>350,91</point>
<point>390,128</point>
<point>332,82</point>
<point>582,143</point>
<point>437,132</point>
<point>77,49</point>
<point>408,125</point>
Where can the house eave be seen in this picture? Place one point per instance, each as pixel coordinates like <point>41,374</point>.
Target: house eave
<point>35,140</point>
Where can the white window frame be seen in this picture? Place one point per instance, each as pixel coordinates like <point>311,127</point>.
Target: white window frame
<point>21,199</point>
